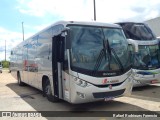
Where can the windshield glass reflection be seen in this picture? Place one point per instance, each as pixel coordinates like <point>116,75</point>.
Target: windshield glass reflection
<point>87,44</point>
<point>137,31</point>
<point>148,57</point>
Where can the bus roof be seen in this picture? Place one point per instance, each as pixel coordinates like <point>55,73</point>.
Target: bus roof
<point>91,23</point>
<point>65,23</point>
<point>120,23</point>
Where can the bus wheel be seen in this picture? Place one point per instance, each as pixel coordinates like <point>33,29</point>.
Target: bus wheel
<point>48,92</point>
<point>20,83</point>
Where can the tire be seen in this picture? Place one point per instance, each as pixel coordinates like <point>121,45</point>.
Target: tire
<point>48,92</point>
<point>20,83</point>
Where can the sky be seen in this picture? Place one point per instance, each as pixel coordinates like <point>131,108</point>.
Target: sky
<point>38,14</point>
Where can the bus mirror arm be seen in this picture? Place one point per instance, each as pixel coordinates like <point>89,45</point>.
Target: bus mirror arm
<point>64,32</point>
<point>135,45</point>
<point>65,29</point>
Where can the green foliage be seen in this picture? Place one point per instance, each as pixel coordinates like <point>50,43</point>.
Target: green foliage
<point>5,64</point>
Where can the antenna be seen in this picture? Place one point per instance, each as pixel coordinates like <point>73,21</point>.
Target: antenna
<point>5,50</point>
<point>94,5</point>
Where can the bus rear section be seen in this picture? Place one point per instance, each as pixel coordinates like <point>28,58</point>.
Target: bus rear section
<point>146,53</point>
<point>77,62</point>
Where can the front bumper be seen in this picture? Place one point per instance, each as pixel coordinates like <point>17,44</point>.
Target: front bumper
<point>93,93</point>
<point>142,80</point>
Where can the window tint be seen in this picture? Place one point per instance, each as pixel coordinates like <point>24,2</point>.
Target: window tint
<point>86,44</point>
<point>147,57</point>
<point>44,44</point>
<point>91,52</point>
<point>137,31</point>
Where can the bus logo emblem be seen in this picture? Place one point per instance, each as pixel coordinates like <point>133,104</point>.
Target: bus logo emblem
<point>110,86</point>
<point>104,81</point>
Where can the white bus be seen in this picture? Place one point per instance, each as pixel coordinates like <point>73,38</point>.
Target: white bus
<point>75,61</point>
<point>146,58</point>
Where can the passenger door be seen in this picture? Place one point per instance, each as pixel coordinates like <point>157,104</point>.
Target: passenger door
<point>57,65</point>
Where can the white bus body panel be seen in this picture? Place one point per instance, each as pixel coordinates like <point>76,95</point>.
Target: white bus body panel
<point>146,77</point>
<point>94,93</point>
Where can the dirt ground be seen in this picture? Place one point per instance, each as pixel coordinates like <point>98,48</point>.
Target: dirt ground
<point>26,98</point>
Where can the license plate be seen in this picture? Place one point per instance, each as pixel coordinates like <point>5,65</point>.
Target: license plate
<point>108,98</point>
<point>154,81</point>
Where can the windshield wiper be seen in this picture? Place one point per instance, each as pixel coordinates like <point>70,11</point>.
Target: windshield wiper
<point>117,58</point>
<point>98,62</point>
<point>109,51</point>
<point>138,59</point>
<point>104,48</point>
<point>100,57</point>
<point>103,53</point>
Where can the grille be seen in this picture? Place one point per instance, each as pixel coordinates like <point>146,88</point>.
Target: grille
<point>108,94</point>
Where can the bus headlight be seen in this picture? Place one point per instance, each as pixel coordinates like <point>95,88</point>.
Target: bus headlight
<point>81,83</point>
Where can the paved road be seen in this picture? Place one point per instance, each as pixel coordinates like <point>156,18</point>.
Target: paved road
<point>26,98</point>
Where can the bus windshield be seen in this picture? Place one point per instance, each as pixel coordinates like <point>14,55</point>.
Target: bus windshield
<point>148,57</point>
<point>137,31</point>
<point>100,49</point>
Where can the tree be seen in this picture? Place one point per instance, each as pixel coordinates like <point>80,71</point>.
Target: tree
<point>5,64</point>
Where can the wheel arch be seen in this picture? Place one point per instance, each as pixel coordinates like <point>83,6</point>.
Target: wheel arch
<point>18,74</point>
<point>44,78</point>
<point>51,97</point>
